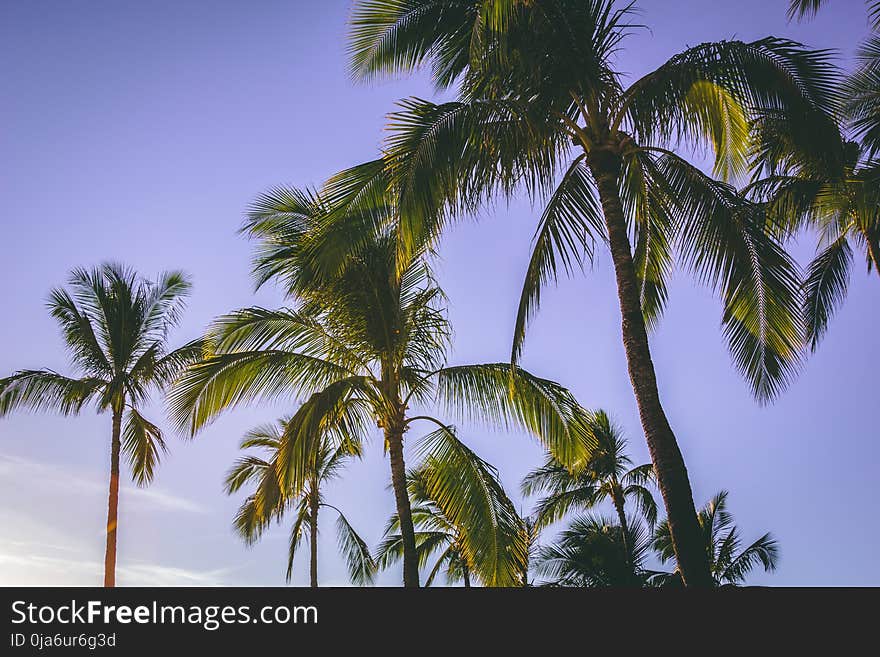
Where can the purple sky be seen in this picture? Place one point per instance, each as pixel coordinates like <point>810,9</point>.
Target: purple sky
<point>140,131</point>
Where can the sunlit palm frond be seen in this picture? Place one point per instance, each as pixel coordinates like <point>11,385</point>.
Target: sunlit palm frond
<point>510,397</point>
<point>467,491</point>
<point>725,240</point>
<point>225,380</point>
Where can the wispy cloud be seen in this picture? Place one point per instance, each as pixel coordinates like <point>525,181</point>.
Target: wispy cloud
<point>40,548</point>
<point>49,475</point>
<point>28,564</point>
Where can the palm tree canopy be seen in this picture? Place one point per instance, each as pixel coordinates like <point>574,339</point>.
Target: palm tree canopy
<point>730,562</point>
<point>115,325</point>
<point>376,319</point>
<point>608,473</point>
<point>540,100</point>
<point>592,552</point>
<point>271,502</point>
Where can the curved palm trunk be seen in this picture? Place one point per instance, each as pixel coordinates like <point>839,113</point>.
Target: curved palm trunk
<point>672,476</point>
<point>467,577</point>
<point>113,503</point>
<point>404,510</point>
<point>313,535</point>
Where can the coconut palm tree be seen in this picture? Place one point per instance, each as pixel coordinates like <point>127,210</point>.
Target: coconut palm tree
<point>541,106</point>
<point>605,475</point>
<point>270,502</point>
<point>729,563</point>
<point>459,509</point>
<point>594,552</point>
<point>364,343</point>
<point>115,325</point>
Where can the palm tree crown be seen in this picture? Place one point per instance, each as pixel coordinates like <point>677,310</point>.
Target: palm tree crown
<point>594,552</point>
<point>115,325</point>
<point>607,474</point>
<point>270,502</point>
<point>730,563</point>
<point>362,342</point>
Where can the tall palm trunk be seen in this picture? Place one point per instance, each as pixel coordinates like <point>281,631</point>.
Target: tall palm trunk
<point>672,477</point>
<point>394,436</point>
<point>466,573</point>
<point>313,534</point>
<point>113,502</point>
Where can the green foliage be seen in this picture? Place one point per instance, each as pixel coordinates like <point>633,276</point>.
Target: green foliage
<point>461,512</point>
<point>607,475</point>
<point>272,500</point>
<point>592,552</point>
<point>536,81</point>
<point>730,563</point>
<point>115,325</point>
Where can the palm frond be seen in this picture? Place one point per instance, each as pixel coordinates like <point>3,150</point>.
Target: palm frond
<point>565,235</point>
<point>355,551</point>
<point>45,390</point>
<point>225,380</point>
<point>143,444</point>
<point>466,489</point>
<point>725,240</point>
<point>510,397</point>
<point>825,287</point>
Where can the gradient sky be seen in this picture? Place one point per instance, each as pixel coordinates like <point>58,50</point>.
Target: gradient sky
<point>139,132</point>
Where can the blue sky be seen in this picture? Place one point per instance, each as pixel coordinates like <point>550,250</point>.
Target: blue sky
<point>139,132</point>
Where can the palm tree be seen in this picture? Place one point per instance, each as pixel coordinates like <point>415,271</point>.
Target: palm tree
<point>729,564</point>
<point>594,552</point>
<point>605,475</point>
<point>364,342</point>
<point>270,502</point>
<point>541,104</point>
<point>115,325</point>
<point>461,512</point>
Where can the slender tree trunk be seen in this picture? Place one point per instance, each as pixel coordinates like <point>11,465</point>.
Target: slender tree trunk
<point>313,535</point>
<point>113,503</point>
<point>617,499</point>
<point>672,477</point>
<point>404,510</point>
<point>467,577</point>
